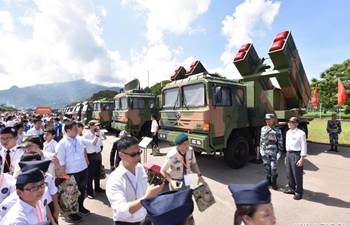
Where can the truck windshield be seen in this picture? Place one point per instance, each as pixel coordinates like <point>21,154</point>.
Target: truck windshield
<point>171,98</point>
<point>138,103</point>
<point>124,103</point>
<point>85,108</point>
<point>193,95</point>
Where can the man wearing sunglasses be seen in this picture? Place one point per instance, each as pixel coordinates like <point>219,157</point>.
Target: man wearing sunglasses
<point>127,185</point>
<point>296,148</point>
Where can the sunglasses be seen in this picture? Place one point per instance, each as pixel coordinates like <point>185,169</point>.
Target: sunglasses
<point>134,154</point>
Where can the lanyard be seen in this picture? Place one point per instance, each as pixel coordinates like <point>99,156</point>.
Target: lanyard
<point>39,213</point>
<point>133,187</point>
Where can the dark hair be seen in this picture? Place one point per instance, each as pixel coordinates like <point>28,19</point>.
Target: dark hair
<point>154,116</point>
<point>69,125</point>
<point>30,156</point>
<point>126,142</point>
<point>51,131</point>
<point>19,126</point>
<point>242,210</point>
<point>80,124</point>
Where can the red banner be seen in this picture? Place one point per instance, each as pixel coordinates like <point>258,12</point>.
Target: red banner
<point>314,100</point>
<point>341,93</point>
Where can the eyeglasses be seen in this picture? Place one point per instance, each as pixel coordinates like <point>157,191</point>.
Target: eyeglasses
<point>292,122</point>
<point>134,154</point>
<point>35,188</point>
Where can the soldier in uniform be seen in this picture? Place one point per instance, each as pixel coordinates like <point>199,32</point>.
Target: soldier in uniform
<point>333,130</point>
<point>271,146</point>
<point>177,167</point>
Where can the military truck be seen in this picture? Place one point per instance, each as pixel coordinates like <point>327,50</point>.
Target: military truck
<point>86,112</point>
<point>133,110</point>
<point>225,116</point>
<point>102,111</point>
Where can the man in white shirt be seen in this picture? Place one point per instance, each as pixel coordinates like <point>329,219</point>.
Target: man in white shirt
<point>93,150</point>
<point>296,148</point>
<point>9,152</point>
<point>36,129</point>
<point>71,156</point>
<point>127,185</point>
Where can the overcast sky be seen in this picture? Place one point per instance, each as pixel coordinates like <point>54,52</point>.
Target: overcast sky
<point>111,41</point>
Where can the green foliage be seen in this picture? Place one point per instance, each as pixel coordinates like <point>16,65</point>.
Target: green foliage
<point>156,89</point>
<point>327,86</point>
<point>108,94</point>
<point>6,108</point>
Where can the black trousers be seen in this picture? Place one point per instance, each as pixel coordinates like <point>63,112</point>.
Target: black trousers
<point>94,174</point>
<point>294,173</point>
<point>81,179</point>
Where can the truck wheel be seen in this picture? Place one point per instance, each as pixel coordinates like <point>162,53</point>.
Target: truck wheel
<point>236,154</point>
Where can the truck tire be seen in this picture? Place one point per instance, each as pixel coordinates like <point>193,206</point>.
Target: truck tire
<point>236,154</point>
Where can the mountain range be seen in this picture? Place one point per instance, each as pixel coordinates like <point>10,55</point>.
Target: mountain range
<point>55,95</point>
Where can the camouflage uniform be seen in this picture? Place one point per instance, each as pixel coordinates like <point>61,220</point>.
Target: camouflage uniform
<point>333,129</point>
<point>271,145</point>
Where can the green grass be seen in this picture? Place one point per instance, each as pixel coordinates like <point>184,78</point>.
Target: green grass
<point>327,115</point>
<point>318,133</point>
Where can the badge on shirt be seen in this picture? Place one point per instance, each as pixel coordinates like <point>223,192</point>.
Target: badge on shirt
<point>4,190</point>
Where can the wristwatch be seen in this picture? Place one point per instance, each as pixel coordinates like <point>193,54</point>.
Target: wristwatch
<point>199,174</point>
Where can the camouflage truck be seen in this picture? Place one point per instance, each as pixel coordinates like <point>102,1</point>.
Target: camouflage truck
<point>102,111</point>
<point>133,110</point>
<point>86,112</point>
<point>224,115</point>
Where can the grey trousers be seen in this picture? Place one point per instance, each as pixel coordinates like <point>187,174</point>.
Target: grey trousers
<point>294,173</point>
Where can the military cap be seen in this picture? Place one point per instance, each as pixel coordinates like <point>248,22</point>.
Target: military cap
<point>33,139</point>
<point>9,130</point>
<point>169,208</point>
<point>29,176</point>
<point>43,165</point>
<point>181,138</point>
<point>269,116</point>
<point>294,120</point>
<point>251,194</point>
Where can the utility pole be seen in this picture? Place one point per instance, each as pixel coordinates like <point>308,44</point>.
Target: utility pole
<point>148,78</point>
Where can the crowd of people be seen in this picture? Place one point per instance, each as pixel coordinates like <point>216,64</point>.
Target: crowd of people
<point>50,165</point>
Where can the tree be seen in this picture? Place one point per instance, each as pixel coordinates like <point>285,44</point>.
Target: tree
<point>108,94</point>
<point>327,85</point>
<point>157,88</point>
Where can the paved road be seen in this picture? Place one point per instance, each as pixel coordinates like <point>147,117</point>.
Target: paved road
<point>326,183</point>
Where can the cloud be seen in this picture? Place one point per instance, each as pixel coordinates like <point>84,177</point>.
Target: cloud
<point>65,43</point>
<point>6,22</point>
<point>175,16</point>
<point>251,19</point>
<point>163,17</point>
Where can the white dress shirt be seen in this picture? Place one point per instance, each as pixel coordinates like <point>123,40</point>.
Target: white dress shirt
<point>296,141</point>
<point>22,214</point>
<point>32,132</point>
<point>50,146</point>
<point>123,187</point>
<point>7,185</point>
<point>15,155</point>
<point>154,126</point>
<point>88,140</point>
<point>71,154</point>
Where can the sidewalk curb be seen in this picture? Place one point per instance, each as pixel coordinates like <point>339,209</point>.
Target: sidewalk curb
<point>320,143</point>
